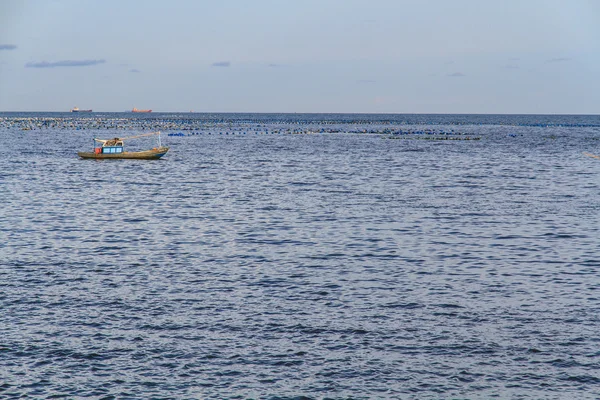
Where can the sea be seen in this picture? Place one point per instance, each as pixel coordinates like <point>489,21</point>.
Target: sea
<point>301,256</point>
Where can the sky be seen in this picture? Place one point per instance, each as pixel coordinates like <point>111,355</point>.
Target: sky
<point>304,56</point>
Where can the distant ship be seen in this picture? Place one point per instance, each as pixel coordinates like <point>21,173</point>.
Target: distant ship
<point>76,109</point>
<point>136,110</point>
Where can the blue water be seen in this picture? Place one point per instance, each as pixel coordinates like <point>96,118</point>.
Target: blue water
<point>292,256</point>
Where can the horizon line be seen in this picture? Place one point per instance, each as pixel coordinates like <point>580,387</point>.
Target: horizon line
<point>303,112</point>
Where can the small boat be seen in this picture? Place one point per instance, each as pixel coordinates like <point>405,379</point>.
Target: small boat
<point>114,149</point>
<point>76,109</point>
<point>143,111</point>
<point>591,155</point>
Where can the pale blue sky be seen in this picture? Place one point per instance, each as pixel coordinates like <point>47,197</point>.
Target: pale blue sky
<point>372,56</point>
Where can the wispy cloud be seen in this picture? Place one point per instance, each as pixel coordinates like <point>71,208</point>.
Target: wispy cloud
<point>64,63</point>
<point>7,47</point>
<point>456,75</point>
<point>366,81</point>
<point>221,64</point>
<point>558,59</point>
<point>136,71</point>
<point>511,66</point>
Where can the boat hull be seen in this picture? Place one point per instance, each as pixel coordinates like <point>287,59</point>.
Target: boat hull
<point>153,154</point>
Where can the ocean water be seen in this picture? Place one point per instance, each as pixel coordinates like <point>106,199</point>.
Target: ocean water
<point>292,256</point>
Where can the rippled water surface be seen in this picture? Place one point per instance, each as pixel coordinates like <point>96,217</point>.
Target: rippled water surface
<point>308,257</point>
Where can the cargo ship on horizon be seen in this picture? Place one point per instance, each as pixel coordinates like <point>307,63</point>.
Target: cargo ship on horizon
<point>140,111</point>
<point>76,109</point>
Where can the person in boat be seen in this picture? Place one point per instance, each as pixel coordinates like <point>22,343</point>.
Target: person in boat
<point>113,142</point>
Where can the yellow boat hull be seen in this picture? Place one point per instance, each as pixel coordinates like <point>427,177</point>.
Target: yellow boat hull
<point>153,154</point>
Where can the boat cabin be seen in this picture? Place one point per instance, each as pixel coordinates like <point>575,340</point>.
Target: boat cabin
<point>111,149</point>
<point>111,146</point>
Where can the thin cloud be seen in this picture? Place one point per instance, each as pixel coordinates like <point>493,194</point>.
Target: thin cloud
<point>511,66</point>
<point>7,47</point>
<point>135,71</point>
<point>366,81</point>
<point>64,63</point>
<point>456,75</point>
<point>558,59</point>
<point>221,64</point>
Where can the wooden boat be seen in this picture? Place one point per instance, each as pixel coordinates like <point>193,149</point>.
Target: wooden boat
<point>114,149</point>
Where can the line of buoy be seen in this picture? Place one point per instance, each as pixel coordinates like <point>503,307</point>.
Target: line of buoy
<point>318,124</point>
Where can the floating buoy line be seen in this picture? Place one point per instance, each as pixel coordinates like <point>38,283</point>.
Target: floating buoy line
<point>242,125</point>
<point>174,127</point>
